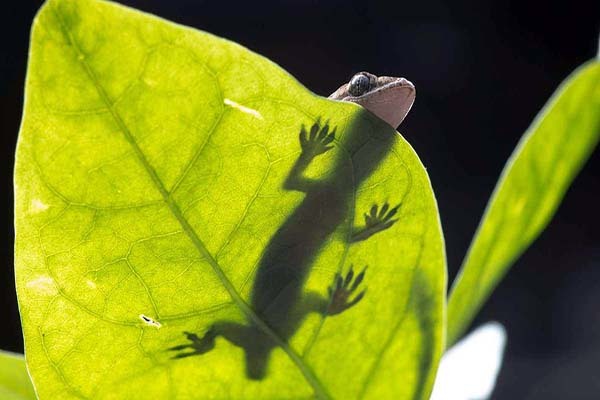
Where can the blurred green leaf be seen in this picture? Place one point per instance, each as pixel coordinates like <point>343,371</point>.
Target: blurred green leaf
<point>531,187</point>
<point>151,215</point>
<point>14,380</point>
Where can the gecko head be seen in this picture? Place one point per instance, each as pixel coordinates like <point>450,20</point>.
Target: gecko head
<point>387,97</point>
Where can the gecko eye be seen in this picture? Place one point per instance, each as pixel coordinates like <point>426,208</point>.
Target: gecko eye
<point>359,85</point>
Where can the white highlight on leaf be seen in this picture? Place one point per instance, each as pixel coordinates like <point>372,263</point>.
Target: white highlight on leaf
<point>90,284</point>
<point>38,206</point>
<point>468,370</point>
<point>42,285</point>
<point>242,108</point>
<point>149,82</point>
<point>519,205</point>
<point>149,321</point>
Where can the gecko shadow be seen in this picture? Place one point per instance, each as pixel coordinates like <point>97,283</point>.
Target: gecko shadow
<point>277,295</point>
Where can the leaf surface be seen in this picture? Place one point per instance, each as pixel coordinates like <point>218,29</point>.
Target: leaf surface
<point>167,246</point>
<point>532,185</point>
<point>14,380</point>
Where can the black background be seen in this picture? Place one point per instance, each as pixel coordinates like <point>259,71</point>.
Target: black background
<point>482,69</point>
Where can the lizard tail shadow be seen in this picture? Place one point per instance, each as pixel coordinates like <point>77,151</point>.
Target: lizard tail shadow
<point>277,296</point>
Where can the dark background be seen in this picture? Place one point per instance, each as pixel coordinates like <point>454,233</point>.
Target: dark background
<point>482,69</point>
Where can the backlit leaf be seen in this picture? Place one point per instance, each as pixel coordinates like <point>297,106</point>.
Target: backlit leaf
<point>167,246</point>
<point>14,380</point>
<point>531,187</point>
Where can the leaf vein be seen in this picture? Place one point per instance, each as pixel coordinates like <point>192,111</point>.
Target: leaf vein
<point>309,375</point>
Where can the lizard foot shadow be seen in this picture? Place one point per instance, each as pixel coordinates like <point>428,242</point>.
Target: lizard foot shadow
<point>256,345</point>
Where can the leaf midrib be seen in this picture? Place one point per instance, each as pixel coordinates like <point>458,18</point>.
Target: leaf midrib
<point>306,371</point>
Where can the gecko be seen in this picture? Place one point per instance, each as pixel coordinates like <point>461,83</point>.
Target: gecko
<point>277,295</point>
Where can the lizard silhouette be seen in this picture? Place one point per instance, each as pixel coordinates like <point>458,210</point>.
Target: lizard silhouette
<point>277,295</point>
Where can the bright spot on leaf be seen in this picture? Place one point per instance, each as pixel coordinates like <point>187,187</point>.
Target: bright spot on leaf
<point>42,285</point>
<point>149,321</point>
<point>38,206</point>
<point>242,108</point>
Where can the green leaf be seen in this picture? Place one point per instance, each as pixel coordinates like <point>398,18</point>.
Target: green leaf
<point>531,187</point>
<point>14,380</point>
<point>167,247</point>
